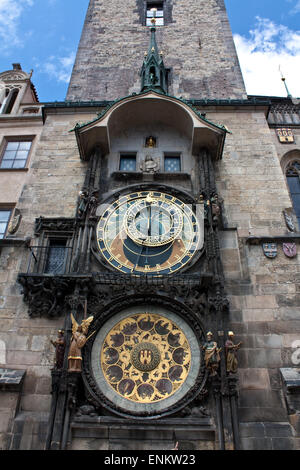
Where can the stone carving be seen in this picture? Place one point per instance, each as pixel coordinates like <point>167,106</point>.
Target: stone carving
<point>56,224</point>
<point>289,221</point>
<point>60,346</point>
<point>270,250</point>
<point>231,348</point>
<point>45,295</point>
<point>289,249</point>
<point>14,224</point>
<point>211,354</point>
<point>150,164</point>
<point>78,340</point>
<point>86,410</point>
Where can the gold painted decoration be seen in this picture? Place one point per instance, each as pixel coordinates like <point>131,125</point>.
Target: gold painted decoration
<point>145,358</point>
<point>149,232</point>
<point>285,136</point>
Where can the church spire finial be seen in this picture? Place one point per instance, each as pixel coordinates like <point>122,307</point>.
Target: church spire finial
<point>153,73</point>
<point>284,82</point>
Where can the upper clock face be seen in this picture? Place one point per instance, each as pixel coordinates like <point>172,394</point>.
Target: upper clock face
<point>148,232</point>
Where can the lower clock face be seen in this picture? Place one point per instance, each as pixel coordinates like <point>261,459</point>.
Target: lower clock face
<point>145,358</point>
<point>148,232</point>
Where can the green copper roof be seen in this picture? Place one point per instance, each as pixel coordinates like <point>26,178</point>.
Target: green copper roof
<point>154,89</point>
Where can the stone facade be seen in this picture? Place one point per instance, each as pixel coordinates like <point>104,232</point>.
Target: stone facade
<point>263,293</point>
<point>196,42</point>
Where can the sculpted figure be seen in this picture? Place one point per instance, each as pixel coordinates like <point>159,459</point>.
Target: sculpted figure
<point>231,348</point>
<point>212,354</point>
<point>149,165</point>
<point>82,202</point>
<point>60,346</point>
<point>150,142</point>
<point>78,340</point>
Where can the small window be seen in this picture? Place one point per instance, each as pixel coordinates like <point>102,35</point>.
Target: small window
<point>11,101</point>
<point>128,162</point>
<point>4,220</point>
<point>4,102</point>
<point>15,154</point>
<point>172,163</point>
<point>56,257</point>
<point>155,10</point>
<point>293,180</point>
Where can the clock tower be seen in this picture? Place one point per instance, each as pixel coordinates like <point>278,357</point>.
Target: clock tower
<point>147,230</point>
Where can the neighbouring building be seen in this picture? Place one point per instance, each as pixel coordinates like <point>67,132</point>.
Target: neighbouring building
<point>149,228</point>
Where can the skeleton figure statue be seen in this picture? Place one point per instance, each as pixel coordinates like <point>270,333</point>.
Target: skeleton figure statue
<point>78,340</point>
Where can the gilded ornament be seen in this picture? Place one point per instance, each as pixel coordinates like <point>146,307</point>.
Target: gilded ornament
<point>148,364</point>
<point>78,340</point>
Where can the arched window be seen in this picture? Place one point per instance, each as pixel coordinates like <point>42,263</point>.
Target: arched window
<point>292,173</point>
<point>10,97</point>
<point>4,102</point>
<point>11,101</point>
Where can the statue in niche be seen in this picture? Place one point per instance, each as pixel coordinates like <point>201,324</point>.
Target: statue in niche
<point>231,348</point>
<point>82,202</point>
<point>150,164</point>
<point>93,203</point>
<point>150,142</point>
<point>211,354</point>
<point>215,207</point>
<point>78,340</point>
<point>60,346</point>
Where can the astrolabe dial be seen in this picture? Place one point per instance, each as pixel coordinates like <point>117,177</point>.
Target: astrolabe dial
<point>153,221</point>
<point>149,232</point>
<point>145,358</point>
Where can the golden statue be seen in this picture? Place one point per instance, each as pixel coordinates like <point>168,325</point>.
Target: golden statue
<point>212,354</point>
<point>231,348</point>
<point>78,340</point>
<point>150,142</point>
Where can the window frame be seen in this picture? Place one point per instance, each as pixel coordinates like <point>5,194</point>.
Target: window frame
<point>18,139</point>
<point>59,242</point>
<point>288,177</point>
<point>127,154</point>
<point>153,4</point>
<point>174,155</point>
<point>10,209</point>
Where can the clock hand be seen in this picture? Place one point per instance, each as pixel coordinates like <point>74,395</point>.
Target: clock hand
<point>139,256</point>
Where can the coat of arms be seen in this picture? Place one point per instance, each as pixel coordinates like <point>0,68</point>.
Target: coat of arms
<point>290,249</point>
<point>270,250</point>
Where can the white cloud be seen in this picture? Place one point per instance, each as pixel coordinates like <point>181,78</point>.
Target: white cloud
<point>59,68</point>
<point>296,8</point>
<point>269,46</point>
<point>10,13</point>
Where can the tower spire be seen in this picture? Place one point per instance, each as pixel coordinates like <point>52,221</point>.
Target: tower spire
<point>153,72</point>
<point>284,82</point>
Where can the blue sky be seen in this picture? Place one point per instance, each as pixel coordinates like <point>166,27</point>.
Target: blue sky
<point>43,35</point>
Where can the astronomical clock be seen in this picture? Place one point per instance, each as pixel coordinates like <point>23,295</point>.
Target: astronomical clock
<point>145,360</point>
<point>149,233</point>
